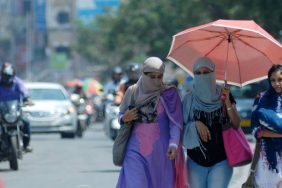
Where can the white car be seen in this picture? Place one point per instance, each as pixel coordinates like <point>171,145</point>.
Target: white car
<point>53,111</point>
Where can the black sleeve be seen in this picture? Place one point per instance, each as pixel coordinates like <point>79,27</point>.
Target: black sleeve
<point>232,100</point>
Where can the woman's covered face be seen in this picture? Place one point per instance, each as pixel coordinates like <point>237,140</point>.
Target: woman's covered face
<point>152,81</point>
<point>202,70</point>
<point>276,81</point>
<point>154,75</point>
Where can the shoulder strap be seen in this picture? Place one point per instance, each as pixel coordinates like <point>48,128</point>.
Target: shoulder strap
<point>256,156</point>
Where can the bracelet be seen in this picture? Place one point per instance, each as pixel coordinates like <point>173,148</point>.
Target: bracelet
<point>229,108</point>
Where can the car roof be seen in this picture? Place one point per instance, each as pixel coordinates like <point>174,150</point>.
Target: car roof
<point>47,85</point>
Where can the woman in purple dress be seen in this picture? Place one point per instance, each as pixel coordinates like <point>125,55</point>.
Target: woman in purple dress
<point>154,157</point>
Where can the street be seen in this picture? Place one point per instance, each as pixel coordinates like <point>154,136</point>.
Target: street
<point>64,163</point>
<point>73,163</point>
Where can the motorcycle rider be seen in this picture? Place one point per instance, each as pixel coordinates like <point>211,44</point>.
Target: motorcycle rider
<point>11,88</point>
<point>79,90</point>
<point>132,73</point>
<point>114,83</point>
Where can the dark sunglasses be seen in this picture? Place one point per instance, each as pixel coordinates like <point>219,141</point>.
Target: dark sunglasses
<point>154,76</point>
<point>204,72</point>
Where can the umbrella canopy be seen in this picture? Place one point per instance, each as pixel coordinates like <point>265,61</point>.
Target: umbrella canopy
<point>92,86</point>
<point>241,50</point>
<point>73,83</point>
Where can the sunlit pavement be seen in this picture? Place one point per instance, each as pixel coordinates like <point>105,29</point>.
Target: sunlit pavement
<point>240,174</point>
<point>75,163</point>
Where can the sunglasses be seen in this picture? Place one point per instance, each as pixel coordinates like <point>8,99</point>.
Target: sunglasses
<point>203,72</point>
<point>154,76</point>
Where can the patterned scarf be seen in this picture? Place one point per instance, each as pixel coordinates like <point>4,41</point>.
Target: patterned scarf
<point>267,113</point>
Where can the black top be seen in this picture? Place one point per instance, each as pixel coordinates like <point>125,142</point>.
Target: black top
<point>214,149</point>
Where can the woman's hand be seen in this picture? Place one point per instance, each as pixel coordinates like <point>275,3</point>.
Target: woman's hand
<point>226,94</point>
<point>130,115</point>
<point>231,109</point>
<point>171,152</point>
<point>203,131</point>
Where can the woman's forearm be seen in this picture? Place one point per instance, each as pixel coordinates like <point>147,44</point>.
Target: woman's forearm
<point>233,115</point>
<point>270,134</point>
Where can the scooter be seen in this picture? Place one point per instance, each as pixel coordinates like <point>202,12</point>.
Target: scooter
<point>10,133</point>
<point>80,105</point>
<point>111,124</point>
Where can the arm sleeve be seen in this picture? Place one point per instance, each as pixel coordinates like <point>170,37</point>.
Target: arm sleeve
<point>172,105</point>
<point>190,134</point>
<point>119,118</point>
<point>22,89</point>
<point>174,135</point>
<point>270,119</point>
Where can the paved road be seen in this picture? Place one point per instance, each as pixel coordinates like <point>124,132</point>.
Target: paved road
<point>73,163</point>
<point>65,163</point>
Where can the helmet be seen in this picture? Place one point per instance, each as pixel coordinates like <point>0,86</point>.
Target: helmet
<point>116,74</point>
<point>7,73</point>
<point>173,82</point>
<point>133,71</point>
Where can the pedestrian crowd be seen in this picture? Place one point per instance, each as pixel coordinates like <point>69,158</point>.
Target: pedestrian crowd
<point>180,142</point>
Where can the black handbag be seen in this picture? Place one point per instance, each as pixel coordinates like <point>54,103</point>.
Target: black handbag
<point>120,143</point>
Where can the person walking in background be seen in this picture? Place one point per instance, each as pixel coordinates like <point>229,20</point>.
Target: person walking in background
<point>78,89</point>
<point>113,84</point>
<point>202,113</point>
<point>153,158</point>
<point>266,124</point>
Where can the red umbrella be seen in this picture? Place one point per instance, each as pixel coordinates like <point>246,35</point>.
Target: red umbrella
<point>242,51</point>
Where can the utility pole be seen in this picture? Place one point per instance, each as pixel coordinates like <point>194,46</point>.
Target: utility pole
<point>12,29</point>
<point>29,41</point>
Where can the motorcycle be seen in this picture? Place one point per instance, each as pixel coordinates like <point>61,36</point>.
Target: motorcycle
<point>111,124</point>
<point>80,105</point>
<point>10,133</point>
<point>111,121</point>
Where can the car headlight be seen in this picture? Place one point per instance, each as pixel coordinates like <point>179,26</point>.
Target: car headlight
<point>65,111</point>
<point>71,110</point>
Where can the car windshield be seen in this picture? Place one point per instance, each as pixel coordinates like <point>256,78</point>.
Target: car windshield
<point>249,91</point>
<point>46,94</point>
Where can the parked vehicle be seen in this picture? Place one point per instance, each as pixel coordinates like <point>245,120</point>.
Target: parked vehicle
<point>53,111</point>
<point>10,134</point>
<point>245,97</point>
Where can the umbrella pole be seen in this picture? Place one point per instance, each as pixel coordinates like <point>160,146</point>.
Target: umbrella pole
<point>229,40</point>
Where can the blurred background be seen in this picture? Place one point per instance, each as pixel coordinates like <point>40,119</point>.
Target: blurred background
<point>68,40</point>
<point>80,43</point>
<point>84,38</point>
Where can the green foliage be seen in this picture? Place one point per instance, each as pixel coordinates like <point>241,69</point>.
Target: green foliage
<point>145,28</point>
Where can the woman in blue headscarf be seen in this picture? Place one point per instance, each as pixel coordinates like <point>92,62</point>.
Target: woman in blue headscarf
<point>202,114</point>
<point>267,126</point>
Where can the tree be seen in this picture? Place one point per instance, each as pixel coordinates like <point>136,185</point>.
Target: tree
<point>145,28</point>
